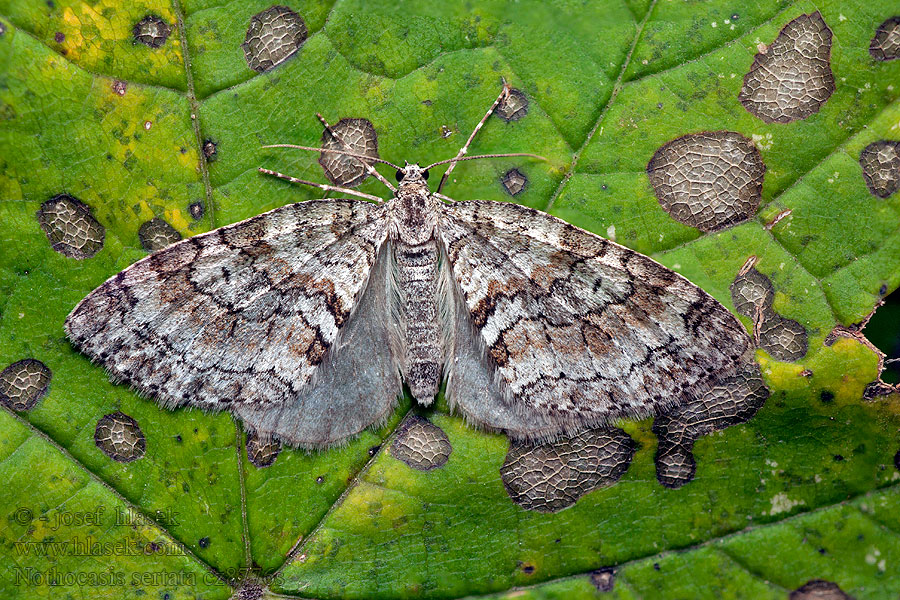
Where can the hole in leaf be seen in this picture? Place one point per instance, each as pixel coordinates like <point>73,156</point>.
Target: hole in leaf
<point>883,330</point>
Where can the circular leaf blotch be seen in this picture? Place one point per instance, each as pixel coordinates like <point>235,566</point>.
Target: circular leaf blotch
<point>120,437</point>
<point>353,135</point>
<point>708,180</point>
<point>421,444</point>
<point>23,383</point>
<point>792,78</point>
<point>274,35</point>
<point>151,31</point>
<point>71,228</point>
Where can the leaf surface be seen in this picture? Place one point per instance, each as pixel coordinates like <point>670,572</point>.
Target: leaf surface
<point>131,131</point>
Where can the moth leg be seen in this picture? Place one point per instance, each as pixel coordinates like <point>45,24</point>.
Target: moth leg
<point>346,146</point>
<point>462,151</point>
<point>321,186</point>
<point>443,197</point>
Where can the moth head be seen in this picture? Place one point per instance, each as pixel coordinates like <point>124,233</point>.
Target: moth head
<point>411,173</point>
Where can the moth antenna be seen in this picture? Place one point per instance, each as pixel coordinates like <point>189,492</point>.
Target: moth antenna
<point>363,158</point>
<point>344,152</point>
<point>504,93</point>
<point>321,186</point>
<point>457,159</point>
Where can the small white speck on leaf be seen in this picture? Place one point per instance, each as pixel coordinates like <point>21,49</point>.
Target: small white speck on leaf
<point>781,503</point>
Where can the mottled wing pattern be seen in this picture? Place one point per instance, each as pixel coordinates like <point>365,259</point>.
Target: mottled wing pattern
<point>577,329</point>
<point>240,317</point>
<point>357,385</point>
<point>472,379</point>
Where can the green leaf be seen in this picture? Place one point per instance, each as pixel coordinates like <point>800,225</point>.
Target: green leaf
<point>151,110</point>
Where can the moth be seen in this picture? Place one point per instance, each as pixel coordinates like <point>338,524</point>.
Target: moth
<point>305,321</point>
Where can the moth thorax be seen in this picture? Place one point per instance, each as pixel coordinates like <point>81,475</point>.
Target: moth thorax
<point>415,214</point>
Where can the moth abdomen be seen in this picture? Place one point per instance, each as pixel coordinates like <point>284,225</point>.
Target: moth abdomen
<point>417,274</point>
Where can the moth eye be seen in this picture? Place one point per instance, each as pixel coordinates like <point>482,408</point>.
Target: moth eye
<point>425,175</point>
<point>399,175</point>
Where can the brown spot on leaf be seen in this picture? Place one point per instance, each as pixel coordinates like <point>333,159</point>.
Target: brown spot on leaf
<point>886,43</point>
<point>358,136</point>
<point>262,454</point>
<point>880,162</point>
<point>156,234</point>
<point>71,228</point>
<point>210,150</point>
<point>708,180</point>
<point>785,339</point>
<point>59,37</point>
<point>752,292</point>
<point>513,107</point>
<point>819,589</point>
<point>274,35</point>
<point>734,401</point>
<point>753,295</point>
<point>604,579</point>
<point>792,78</point>
<point>550,477</point>
<point>119,87</point>
<point>421,444</point>
<point>151,31</point>
<point>23,383</point>
<point>120,437</point>
<point>514,182</point>
<point>196,210</point>
<point>879,389</point>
